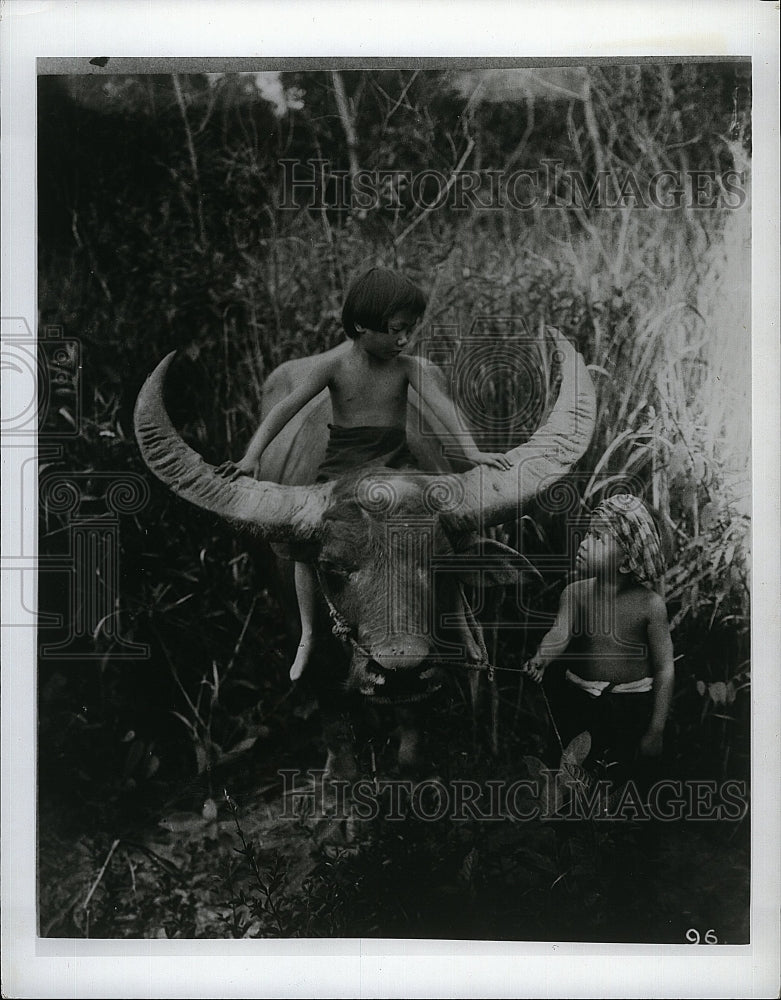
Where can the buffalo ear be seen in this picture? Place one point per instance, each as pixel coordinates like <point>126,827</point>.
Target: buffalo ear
<point>490,563</point>
<point>305,552</point>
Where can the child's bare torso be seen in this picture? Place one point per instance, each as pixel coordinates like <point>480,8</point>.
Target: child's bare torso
<point>610,634</point>
<point>366,391</point>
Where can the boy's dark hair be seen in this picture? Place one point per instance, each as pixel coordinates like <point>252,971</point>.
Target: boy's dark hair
<point>375,296</point>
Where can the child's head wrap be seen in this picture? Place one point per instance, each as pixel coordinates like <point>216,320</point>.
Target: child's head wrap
<point>628,520</point>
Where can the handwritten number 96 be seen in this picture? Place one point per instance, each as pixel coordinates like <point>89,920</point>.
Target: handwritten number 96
<point>693,936</point>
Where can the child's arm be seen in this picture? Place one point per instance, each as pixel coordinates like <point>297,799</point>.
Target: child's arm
<point>661,655</point>
<point>427,380</point>
<point>555,641</point>
<point>276,418</point>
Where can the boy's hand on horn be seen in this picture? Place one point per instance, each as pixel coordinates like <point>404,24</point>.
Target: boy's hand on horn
<point>232,470</point>
<point>494,458</point>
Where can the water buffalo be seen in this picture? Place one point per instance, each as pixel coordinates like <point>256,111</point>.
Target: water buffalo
<point>389,546</point>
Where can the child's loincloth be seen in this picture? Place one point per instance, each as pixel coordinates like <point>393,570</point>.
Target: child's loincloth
<point>598,688</point>
<point>616,716</point>
<point>349,448</point>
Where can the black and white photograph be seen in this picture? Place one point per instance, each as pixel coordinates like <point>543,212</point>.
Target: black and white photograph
<point>390,435</point>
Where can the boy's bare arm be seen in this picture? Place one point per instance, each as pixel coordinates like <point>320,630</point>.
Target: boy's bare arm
<point>317,379</point>
<point>428,381</point>
<point>555,641</point>
<point>660,649</point>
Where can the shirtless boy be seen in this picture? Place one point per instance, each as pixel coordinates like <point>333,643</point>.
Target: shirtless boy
<point>368,379</point>
<point>613,628</point>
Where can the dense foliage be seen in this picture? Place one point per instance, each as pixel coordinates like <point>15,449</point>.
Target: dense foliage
<point>162,225</point>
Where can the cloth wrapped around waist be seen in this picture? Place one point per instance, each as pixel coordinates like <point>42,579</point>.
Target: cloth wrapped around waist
<point>351,447</point>
<point>597,688</point>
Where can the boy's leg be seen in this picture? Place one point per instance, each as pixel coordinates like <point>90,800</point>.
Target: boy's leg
<point>630,715</point>
<point>305,591</point>
<point>572,711</point>
<point>626,720</point>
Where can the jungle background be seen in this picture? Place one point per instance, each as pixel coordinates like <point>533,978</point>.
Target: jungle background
<point>160,228</point>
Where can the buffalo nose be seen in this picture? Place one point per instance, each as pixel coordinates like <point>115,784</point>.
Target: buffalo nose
<point>401,652</point>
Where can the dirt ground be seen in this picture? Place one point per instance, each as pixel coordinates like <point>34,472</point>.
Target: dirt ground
<point>259,863</point>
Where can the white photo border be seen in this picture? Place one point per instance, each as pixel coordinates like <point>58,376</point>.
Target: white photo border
<point>193,30</point>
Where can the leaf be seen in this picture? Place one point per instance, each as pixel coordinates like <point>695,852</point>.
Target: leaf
<point>242,682</point>
<point>574,776</point>
<point>209,811</point>
<point>181,822</point>
<point>240,748</point>
<point>200,757</point>
<point>708,515</point>
<point>187,722</point>
<point>716,605</point>
<point>216,687</point>
<point>176,604</point>
<point>66,416</point>
<point>701,687</point>
<point>718,692</point>
<point>689,494</point>
<point>534,766</point>
<point>630,435</point>
<point>679,460</point>
<point>577,750</point>
<point>735,578</point>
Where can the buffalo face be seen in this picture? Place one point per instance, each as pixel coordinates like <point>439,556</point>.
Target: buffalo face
<point>382,565</point>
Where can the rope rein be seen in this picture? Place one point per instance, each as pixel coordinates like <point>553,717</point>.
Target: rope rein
<point>342,630</point>
<point>485,663</point>
<point>340,626</point>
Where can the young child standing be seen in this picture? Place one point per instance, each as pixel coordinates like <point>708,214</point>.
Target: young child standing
<point>368,379</point>
<point>613,628</point>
